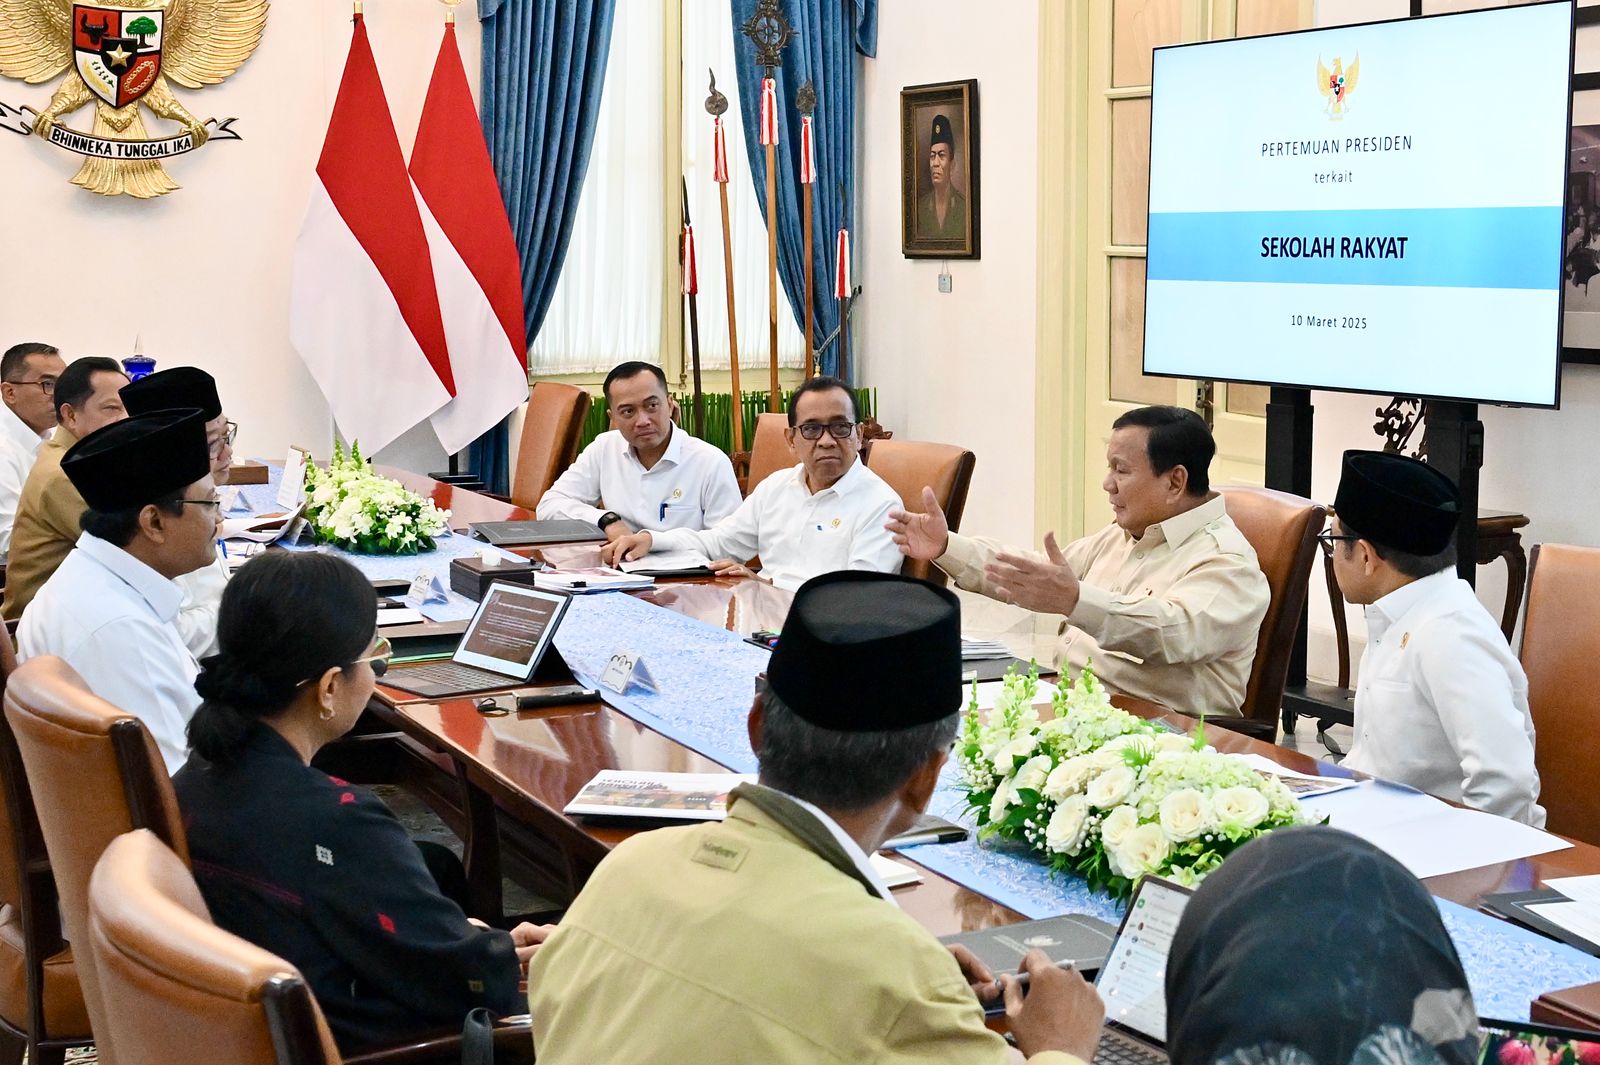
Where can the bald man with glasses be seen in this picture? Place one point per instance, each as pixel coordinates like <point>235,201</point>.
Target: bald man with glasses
<point>827,513</point>
<point>28,375</point>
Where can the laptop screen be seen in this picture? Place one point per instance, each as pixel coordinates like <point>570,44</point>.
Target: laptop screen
<point>1133,980</point>
<point>1526,1043</point>
<point>513,626</point>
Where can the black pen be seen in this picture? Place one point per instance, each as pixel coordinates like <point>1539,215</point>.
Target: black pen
<point>1022,977</point>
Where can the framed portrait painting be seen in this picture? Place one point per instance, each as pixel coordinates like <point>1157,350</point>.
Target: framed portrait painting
<point>939,195</point>
<point>1580,263</point>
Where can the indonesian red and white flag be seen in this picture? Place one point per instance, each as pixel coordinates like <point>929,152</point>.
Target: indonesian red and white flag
<point>362,308</point>
<point>475,261</point>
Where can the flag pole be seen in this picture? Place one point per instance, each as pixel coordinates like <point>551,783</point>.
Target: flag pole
<point>716,104</point>
<point>806,103</point>
<point>691,290</point>
<point>769,138</point>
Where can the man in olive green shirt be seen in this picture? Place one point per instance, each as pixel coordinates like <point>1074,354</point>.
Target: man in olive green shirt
<point>768,937</point>
<point>942,213</point>
<point>50,509</point>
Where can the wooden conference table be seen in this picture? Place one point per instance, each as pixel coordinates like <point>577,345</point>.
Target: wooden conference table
<point>529,764</point>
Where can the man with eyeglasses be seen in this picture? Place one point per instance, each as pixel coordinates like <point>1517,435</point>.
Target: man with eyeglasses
<point>646,473</point>
<point>28,375</point>
<point>108,611</point>
<point>825,514</point>
<point>86,398</point>
<point>191,387</point>
<point>1441,702</point>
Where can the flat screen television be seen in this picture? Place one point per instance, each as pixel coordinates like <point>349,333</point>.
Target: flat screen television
<point>1371,208</point>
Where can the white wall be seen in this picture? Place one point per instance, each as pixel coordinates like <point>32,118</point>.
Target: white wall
<point>957,368</point>
<point>202,274</point>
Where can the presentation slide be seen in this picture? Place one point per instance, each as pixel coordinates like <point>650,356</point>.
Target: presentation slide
<point>1373,208</point>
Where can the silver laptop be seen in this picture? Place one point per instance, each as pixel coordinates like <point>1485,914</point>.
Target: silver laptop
<point>509,635</point>
<point>1133,981</point>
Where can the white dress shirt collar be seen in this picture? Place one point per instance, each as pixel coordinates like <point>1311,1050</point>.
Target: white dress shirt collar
<point>1178,528</point>
<point>671,456</point>
<point>16,431</point>
<point>1389,609</point>
<point>163,596</point>
<point>853,849</point>
<point>848,481</point>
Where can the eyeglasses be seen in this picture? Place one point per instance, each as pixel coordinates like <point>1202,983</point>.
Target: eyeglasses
<point>200,502</point>
<point>382,651</point>
<point>837,430</point>
<point>1328,538</point>
<point>47,385</point>
<point>230,433</point>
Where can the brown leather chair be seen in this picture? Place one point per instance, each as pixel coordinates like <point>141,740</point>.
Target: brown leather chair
<point>1283,530</point>
<point>1560,644</point>
<point>769,450</point>
<point>909,465</point>
<point>95,773</point>
<point>550,433</point>
<point>41,1004</point>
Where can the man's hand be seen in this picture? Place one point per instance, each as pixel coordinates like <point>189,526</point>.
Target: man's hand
<point>1046,587</point>
<point>629,548</point>
<point>727,567</point>
<point>1062,1011</point>
<point>526,938</point>
<point>925,536</point>
<point>978,975</point>
<point>617,530</point>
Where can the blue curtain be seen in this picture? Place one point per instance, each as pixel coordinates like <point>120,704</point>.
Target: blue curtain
<point>828,35</point>
<point>544,66</point>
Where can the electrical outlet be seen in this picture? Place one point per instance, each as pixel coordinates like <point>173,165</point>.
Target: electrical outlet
<point>944,282</point>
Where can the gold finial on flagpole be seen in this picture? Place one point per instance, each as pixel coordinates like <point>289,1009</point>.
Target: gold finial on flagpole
<point>449,11</point>
<point>358,6</point>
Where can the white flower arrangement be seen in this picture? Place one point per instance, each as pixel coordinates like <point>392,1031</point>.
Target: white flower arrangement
<point>351,507</point>
<point>1106,795</point>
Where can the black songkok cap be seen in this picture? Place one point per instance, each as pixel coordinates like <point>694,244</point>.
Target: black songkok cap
<point>1397,502</point>
<point>869,652</point>
<point>180,388</point>
<point>941,132</point>
<point>138,460</point>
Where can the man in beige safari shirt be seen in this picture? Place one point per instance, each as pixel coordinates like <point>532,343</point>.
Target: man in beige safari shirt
<point>1166,602</point>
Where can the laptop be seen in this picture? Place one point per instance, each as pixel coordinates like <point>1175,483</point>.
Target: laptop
<point>1133,980</point>
<point>503,645</point>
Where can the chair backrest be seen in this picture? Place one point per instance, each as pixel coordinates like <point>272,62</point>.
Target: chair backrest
<point>769,450</point>
<point>175,984</point>
<point>909,465</point>
<point>550,433</point>
<point>1560,645</point>
<point>1283,530</point>
<point>95,773</point>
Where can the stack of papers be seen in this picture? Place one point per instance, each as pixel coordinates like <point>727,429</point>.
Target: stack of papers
<point>894,874</point>
<point>989,691</point>
<point>1304,787</point>
<point>590,579</point>
<point>974,648</point>
<point>667,563</point>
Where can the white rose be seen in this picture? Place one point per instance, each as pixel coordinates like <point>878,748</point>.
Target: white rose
<point>1033,773</point>
<point>1021,747</point>
<point>1068,825</point>
<point>1185,814</point>
<point>1108,756</point>
<point>1112,786</point>
<point>1000,803</point>
<point>1114,829</point>
<point>1068,778</point>
<point>1142,851</point>
<point>1173,742</point>
<point>1136,741</point>
<point>1241,807</point>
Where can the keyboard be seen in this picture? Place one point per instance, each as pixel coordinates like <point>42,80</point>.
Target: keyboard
<point>446,678</point>
<point>1117,1049</point>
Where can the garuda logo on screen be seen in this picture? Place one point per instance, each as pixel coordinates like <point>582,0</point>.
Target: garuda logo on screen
<point>1337,85</point>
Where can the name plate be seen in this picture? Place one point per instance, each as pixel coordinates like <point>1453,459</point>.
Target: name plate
<point>627,668</point>
<point>426,588</point>
<point>293,485</point>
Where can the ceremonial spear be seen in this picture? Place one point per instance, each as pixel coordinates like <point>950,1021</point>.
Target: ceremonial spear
<point>769,32</point>
<point>805,101</point>
<point>716,104</point>
<point>691,290</point>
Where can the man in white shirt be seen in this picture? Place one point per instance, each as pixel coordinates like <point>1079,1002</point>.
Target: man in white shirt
<point>179,388</point>
<point>108,609</point>
<point>28,375</point>
<point>1166,602</point>
<point>646,473</point>
<point>825,514</point>
<point>1442,703</point>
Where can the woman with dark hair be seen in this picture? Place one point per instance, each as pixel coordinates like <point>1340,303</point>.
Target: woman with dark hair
<point>305,865</point>
<point>1312,947</point>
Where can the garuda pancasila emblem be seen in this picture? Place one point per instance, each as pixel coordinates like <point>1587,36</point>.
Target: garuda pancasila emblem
<point>121,58</point>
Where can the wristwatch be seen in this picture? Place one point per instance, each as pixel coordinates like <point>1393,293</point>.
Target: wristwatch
<point>607,518</point>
